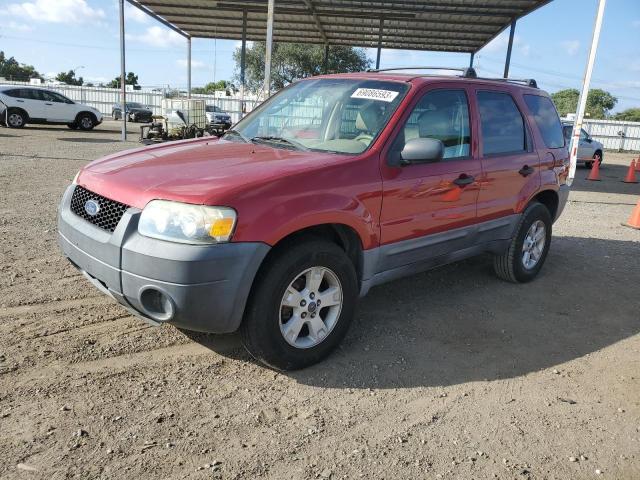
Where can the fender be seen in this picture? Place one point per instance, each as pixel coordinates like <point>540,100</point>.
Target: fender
<point>293,215</point>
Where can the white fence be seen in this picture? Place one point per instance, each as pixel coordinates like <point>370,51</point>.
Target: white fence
<point>104,98</point>
<point>614,134</point>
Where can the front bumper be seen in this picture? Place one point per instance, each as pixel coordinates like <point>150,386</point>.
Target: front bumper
<point>195,287</point>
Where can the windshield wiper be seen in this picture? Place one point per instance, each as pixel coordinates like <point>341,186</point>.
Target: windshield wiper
<point>233,131</point>
<point>273,139</point>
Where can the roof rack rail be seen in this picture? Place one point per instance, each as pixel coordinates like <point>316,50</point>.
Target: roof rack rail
<point>529,82</point>
<point>468,72</point>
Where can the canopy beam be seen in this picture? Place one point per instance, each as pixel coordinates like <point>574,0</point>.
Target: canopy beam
<point>507,61</point>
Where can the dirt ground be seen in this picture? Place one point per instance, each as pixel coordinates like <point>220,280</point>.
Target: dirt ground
<point>451,374</point>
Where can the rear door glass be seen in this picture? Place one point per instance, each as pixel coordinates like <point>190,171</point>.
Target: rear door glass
<point>501,123</point>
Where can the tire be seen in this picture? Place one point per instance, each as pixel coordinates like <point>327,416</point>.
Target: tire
<point>320,328</point>
<point>510,265</point>
<point>16,118</point>
<point>596,156</point>
<point>86,121</point>
<point>72,126</point>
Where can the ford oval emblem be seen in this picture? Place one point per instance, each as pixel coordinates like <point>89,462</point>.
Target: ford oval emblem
<point>92,207</point>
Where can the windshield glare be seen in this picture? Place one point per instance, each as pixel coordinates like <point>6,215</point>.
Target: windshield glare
<point>332,115</point>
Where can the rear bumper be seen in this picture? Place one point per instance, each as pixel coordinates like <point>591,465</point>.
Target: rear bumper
<point>195,287</point>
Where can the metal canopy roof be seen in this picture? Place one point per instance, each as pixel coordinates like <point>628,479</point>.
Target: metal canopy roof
<point>436,25</point>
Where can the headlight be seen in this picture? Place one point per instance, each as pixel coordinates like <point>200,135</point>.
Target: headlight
<point>186,223</point>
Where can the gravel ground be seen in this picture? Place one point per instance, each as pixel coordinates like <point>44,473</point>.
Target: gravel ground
<point>449,374</point>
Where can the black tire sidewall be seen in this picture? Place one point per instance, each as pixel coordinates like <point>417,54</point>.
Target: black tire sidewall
<point>85,115</point>
<point>261,325</point>
<point>22,115</point>
<point>534,212</point>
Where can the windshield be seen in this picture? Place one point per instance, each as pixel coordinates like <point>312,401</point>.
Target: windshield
<point>330,114</point>
<point>212,108</point>
<point>134,105</point>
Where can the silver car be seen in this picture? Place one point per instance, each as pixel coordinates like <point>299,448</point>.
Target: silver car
<point>589,150</point>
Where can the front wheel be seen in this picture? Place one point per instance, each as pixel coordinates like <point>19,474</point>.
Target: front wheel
<point>528,249</point>
<point>301,305</point>
<point>86,121</point>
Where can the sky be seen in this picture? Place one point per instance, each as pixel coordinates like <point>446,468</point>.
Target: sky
<point>551,45</point>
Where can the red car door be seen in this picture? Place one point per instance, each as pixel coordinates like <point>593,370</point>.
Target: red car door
<point>510,164</point>
<point>424,202</point>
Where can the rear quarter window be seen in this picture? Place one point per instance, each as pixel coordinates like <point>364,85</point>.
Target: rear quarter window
<point>547,120</point>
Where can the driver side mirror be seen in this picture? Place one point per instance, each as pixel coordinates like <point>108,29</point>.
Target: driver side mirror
<point>422,150</point>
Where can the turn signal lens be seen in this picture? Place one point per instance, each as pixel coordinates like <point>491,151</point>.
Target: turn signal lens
<point>221,228</point>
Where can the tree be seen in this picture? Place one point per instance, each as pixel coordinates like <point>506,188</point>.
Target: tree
<point>629,115</point>
<point>599,102</point>
<point>212,87</point>
<point>131,79</point>
<point>291,61</point>
<point>69,78</point>
<point>11,69</point>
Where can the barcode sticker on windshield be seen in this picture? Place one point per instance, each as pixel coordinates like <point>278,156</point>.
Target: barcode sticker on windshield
<point>375,94</point>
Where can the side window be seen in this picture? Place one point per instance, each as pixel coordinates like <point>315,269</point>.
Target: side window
<point>547,120</point>
<point>583,134</point>
<point>32,94</point>
<point>53,97</point>
<point>501,124</point>
<point>443,115</point>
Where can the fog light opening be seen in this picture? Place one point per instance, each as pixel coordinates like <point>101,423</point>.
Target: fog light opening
<point>158,305</point>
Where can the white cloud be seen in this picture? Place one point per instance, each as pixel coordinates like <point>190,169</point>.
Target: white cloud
<point>500,43</point>
<point>55,11</point>
<point>132,13</point>
<point>157,36</point>
<point>571,46</point>
<point>18,27</point>
<point>194,63</point>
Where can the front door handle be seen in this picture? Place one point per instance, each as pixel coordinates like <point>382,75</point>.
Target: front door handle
<point>48,103</point>
<point>526,171</point>
<point>464,180</point>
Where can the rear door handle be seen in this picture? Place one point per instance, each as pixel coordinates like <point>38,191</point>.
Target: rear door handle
<point>464,180</point>
<point>21,101</point>
<point>526,171</point>
<point>48,103</point>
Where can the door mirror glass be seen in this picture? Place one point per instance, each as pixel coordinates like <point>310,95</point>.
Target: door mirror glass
<point>422,150</point>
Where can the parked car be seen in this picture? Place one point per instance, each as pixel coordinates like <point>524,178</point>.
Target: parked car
<point>20,105</point>
<point>334,185</point>
<point>136,112</point>
<point>589,150</point>
<point>217,119</point>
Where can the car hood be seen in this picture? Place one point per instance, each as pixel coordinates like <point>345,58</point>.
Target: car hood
<point>202,171</point>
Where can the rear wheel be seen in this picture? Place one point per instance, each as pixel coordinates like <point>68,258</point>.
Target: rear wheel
<point>597,157</point>
<point>301,305</point>
<point>16,119</point>
<point>528,249</point>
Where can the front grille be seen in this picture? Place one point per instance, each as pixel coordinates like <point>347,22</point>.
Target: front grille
<point>108,215</point>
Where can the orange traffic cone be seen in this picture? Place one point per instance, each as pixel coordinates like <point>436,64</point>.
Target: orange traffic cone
<point>594,174</point>
<point>638,164</point>
<point>634,219</point>
<point>631,173</point>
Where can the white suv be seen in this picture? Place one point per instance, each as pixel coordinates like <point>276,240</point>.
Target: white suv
<point>20,105</point>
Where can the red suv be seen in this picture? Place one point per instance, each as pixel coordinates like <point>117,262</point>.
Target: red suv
<point>334,185</point>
